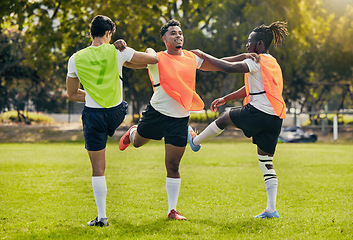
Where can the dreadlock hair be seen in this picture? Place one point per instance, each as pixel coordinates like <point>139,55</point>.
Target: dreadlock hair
<point>168,24</point>
<point>265,33</point>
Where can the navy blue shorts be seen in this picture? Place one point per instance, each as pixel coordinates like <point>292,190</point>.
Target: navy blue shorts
<point>154,125</point>
<point>262,127</point>
<point>99,123</point>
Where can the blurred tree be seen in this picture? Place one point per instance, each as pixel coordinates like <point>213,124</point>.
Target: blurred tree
<point>35,50</point>
<point>317,49</point>
<point>15,76</point>
<point>48,32</point>
<point>325,60</point>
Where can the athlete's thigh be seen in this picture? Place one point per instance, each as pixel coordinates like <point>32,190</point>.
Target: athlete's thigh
<point>115,117</point>
<point>150,125</point>
<point>175,131</point>
<point>247,119</point>
<point>94,129</point>
<point>267,139</point>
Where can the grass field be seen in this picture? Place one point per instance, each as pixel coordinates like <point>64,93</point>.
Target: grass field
<point>46,192</point>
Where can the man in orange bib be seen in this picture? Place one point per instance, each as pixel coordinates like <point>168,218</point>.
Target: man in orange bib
<point>264,108</point>
<point>167,114</point>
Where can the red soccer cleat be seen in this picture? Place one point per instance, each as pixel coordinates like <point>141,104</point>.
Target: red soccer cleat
<point>125,139</point>
<point>175,215</point>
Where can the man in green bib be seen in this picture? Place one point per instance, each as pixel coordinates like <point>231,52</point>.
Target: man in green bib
<point>99,69</point>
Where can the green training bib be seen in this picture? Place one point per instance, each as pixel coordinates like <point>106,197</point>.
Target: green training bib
<point>97,69</point>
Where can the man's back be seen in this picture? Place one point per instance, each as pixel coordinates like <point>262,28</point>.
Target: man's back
<point>97,68</point>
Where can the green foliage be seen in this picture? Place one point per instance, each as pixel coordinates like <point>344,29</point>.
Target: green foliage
<point>203,117</point>
<point>38,37</point>
<point>47,193</point>
<point>27,117</point>
<point>343,119</point>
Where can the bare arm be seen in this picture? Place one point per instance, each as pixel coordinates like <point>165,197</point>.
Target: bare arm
<point>135,66</point>
<point>242,57</point>
<point>210,63</point>
<point>208,66</point>
<point>240,93</point>
<point>148,57</point>
<point>140,56</point>
<point>73,90</point>
<point>140,59</point>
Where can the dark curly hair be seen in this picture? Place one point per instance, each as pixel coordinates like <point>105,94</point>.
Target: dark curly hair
<point>100,24</point>
<point>265,33</point>
<point>165,27</point>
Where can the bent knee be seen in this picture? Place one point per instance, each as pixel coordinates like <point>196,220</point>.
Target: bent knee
<point>224,120</point>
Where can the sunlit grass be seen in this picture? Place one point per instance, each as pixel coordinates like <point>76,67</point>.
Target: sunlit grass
<point>46,193</point>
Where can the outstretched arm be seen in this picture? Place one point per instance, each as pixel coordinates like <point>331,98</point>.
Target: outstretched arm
<point>242,57</point>
<point>228,64</point>
<point>148,57</point>
<point>219,64</point>
<point>135,66</point>
<point>140,59</point>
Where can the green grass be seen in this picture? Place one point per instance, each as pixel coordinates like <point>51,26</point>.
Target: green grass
<point>46,192</point>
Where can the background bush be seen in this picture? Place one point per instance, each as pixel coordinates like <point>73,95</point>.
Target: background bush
<point>343,119</point>
<point>203,116</point>
<point>26,117</point>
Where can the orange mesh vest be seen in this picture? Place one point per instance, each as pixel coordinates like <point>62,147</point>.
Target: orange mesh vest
<point>177,75</point>
<point>273,85</point>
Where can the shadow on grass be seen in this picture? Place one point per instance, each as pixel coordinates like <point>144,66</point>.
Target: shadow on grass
<point>159,228</point>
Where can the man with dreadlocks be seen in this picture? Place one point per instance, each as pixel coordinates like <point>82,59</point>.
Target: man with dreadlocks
<point>264,108</point>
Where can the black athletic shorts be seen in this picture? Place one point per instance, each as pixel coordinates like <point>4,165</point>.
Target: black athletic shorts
<point>262,127</point>
<point>99,123</point>
<point>154,125</point>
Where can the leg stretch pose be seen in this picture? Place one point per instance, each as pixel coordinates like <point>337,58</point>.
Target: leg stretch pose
<point>167,115</point>
<point>264,108</point>
<point>254,124</point>
<point>154,125</point>
<point>104,109</point>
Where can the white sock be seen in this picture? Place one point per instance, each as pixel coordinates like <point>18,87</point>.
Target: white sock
<point>271,189</point>
<point>131,131</point>
<point>100,194</point>
<point>210,131</point>
<point>173,186</point>
<point>271,182</point>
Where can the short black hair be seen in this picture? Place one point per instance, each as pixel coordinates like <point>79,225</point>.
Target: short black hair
<point>168,24</point>
<point>100,24</point>
<point>266,33</point>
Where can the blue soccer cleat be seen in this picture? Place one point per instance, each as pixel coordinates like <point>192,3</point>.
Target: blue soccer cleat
<point>265,214</point>
<point>191,136</point>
